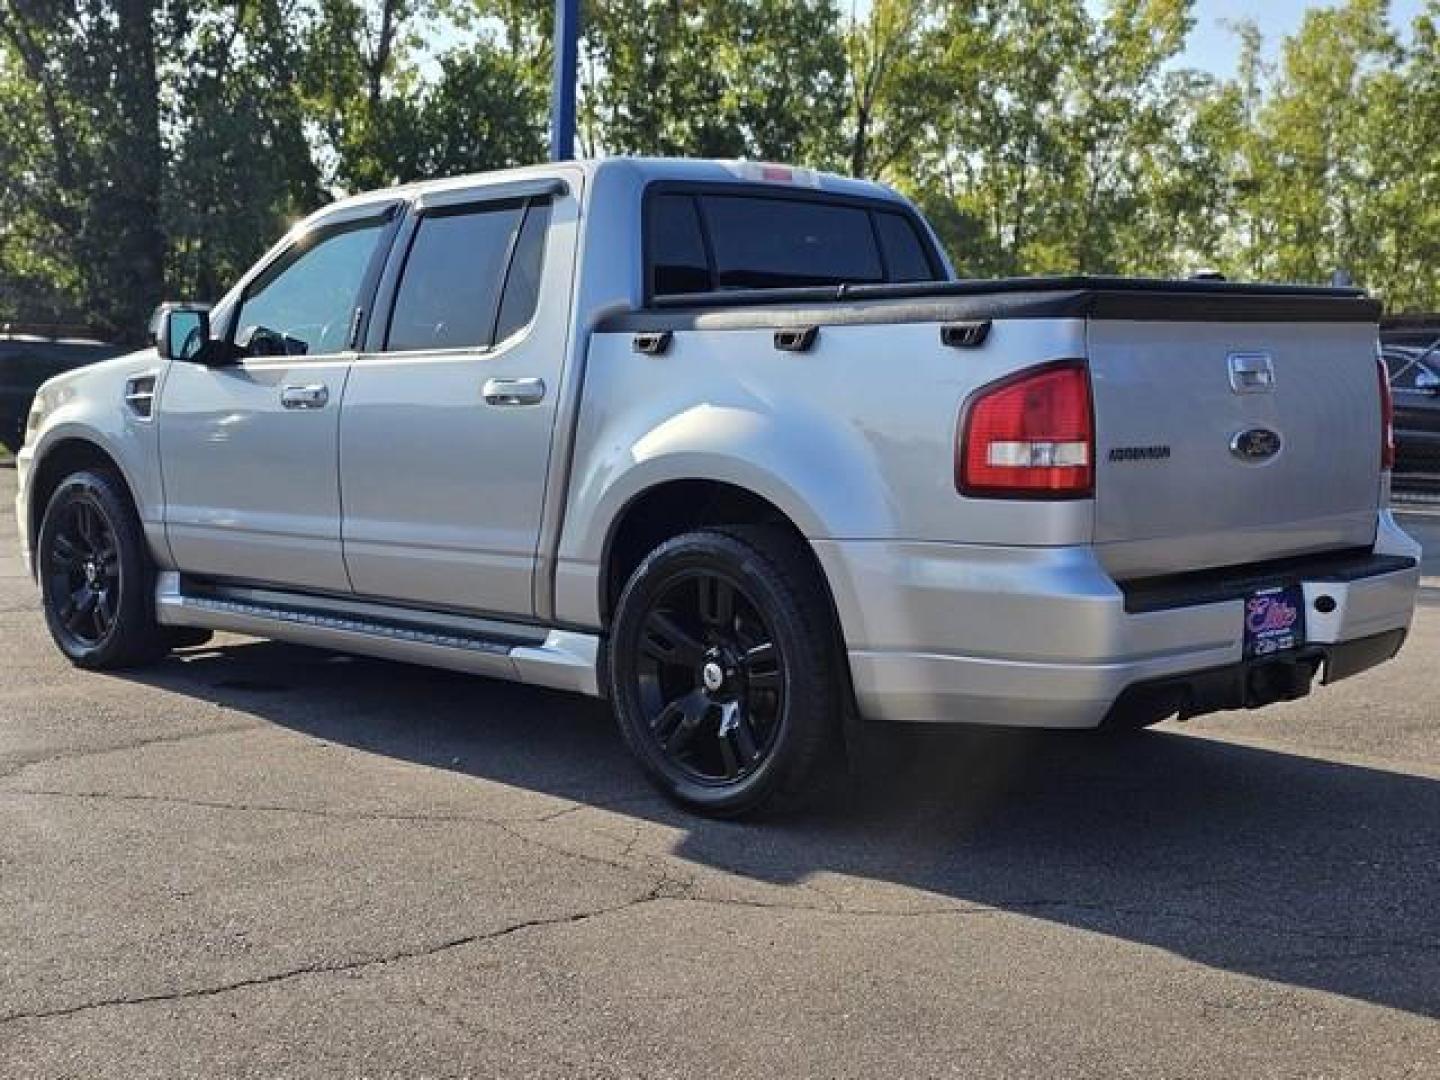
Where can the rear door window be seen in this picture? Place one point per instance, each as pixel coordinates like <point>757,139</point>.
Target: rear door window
<point>522,284</point>
<point>449,292</point>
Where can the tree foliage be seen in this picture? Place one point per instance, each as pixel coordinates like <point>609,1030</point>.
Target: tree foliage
<point>727,78</point>
<point>154,147</point>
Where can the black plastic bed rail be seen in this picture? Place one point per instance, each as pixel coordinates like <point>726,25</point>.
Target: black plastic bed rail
<point>1079,296</point>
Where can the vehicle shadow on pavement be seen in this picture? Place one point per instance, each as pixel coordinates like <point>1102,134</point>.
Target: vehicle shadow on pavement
<point>1307,872</point>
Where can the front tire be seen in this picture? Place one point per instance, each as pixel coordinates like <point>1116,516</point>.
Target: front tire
<point>97,581</point>
<point>724,670</point>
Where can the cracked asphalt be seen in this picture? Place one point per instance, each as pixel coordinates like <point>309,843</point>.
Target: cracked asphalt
<point>262,860</point>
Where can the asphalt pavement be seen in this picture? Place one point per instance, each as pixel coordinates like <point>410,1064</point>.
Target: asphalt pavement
<point>262,860</point>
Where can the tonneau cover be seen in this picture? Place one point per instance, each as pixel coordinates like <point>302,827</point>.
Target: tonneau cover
<point>1078,296</point>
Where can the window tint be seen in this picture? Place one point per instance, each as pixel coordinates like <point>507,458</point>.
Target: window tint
<point>677,247</point>
<point>451,283</point>
<point>302,303</point>
<point>522,286</point>
<point>776,243</point>
<point>905,258</point>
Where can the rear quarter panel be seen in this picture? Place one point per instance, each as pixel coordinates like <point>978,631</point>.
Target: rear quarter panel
<point>852,440</point>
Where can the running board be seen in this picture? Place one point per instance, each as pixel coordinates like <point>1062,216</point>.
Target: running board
<point>560,659</point>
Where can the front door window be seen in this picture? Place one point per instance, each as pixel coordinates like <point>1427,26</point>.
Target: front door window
<point>303,303</point>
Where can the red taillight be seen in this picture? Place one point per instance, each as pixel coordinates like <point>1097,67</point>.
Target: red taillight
<point>1387,419</point>
<point>1030,435</point>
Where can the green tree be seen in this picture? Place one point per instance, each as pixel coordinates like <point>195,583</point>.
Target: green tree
<point>1319,155</point>
<point>993,157</point>
<point>91,185</point>
<point>1405,119</point>
<point>359,83</point>
<point>1120,128</point>
<point>241,166</point>
<point>881,124</point>
<point>728,78</point>
<point>485,111</point>
<point>1181,215</point>
<point>385,119</point>
<point>41,204</point>
<point>1326,162</point>
<point>153,147</point>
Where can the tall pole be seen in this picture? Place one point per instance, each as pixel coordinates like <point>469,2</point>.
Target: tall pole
<point>567,51</point>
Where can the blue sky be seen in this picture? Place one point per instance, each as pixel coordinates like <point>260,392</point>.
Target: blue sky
<point>1212,47</point>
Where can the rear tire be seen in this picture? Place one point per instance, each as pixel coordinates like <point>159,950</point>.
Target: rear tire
<point>97,580</point>
<point>724,672</point>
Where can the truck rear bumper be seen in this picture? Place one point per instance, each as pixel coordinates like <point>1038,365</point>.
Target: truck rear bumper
<point>1250,684</point>
<point>1041,637</point>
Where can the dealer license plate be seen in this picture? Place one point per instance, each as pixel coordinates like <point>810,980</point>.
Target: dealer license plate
<point>1274,621</point>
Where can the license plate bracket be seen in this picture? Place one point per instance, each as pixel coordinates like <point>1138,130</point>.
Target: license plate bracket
<point>1274,620</point>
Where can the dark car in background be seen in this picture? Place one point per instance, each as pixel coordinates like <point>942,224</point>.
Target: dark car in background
<point>30,354</point>
<point>1410,346</point>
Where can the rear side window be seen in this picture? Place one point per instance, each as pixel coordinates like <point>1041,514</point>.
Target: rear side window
<point>905,258</point>
<point>449,292</point>
<point>677,246</point>
<point>709,241</point>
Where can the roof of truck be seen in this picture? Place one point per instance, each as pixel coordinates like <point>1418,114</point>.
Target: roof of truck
<point>707,170</point>
<point>643,170</point>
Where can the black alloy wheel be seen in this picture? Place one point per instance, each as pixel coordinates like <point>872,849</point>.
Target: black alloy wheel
<point>723,669</point>
<point>82,570</point>
<point>96,578</point>
<point>711,678</point>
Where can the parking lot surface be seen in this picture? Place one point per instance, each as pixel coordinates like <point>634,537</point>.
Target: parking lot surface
<point>262,860</point>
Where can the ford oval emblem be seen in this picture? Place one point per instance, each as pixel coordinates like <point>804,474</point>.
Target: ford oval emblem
<point>1255,445</point>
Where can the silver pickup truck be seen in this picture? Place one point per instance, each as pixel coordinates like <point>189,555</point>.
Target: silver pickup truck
<point>729,445</point>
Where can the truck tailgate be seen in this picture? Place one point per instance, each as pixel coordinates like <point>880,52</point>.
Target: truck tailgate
<point>1232,442</point>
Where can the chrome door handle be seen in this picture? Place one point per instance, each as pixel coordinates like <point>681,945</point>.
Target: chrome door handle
<point>305,397</point>
<point>514,391</point>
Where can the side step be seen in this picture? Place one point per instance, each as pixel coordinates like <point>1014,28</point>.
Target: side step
<point>560,659</point>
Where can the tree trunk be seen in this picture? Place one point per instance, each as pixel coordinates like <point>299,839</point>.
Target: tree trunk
<point>860,147</point>
<point>380,57</point>
<point>137,279</point>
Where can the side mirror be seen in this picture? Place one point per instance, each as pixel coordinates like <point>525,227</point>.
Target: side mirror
<point>182,332</point>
